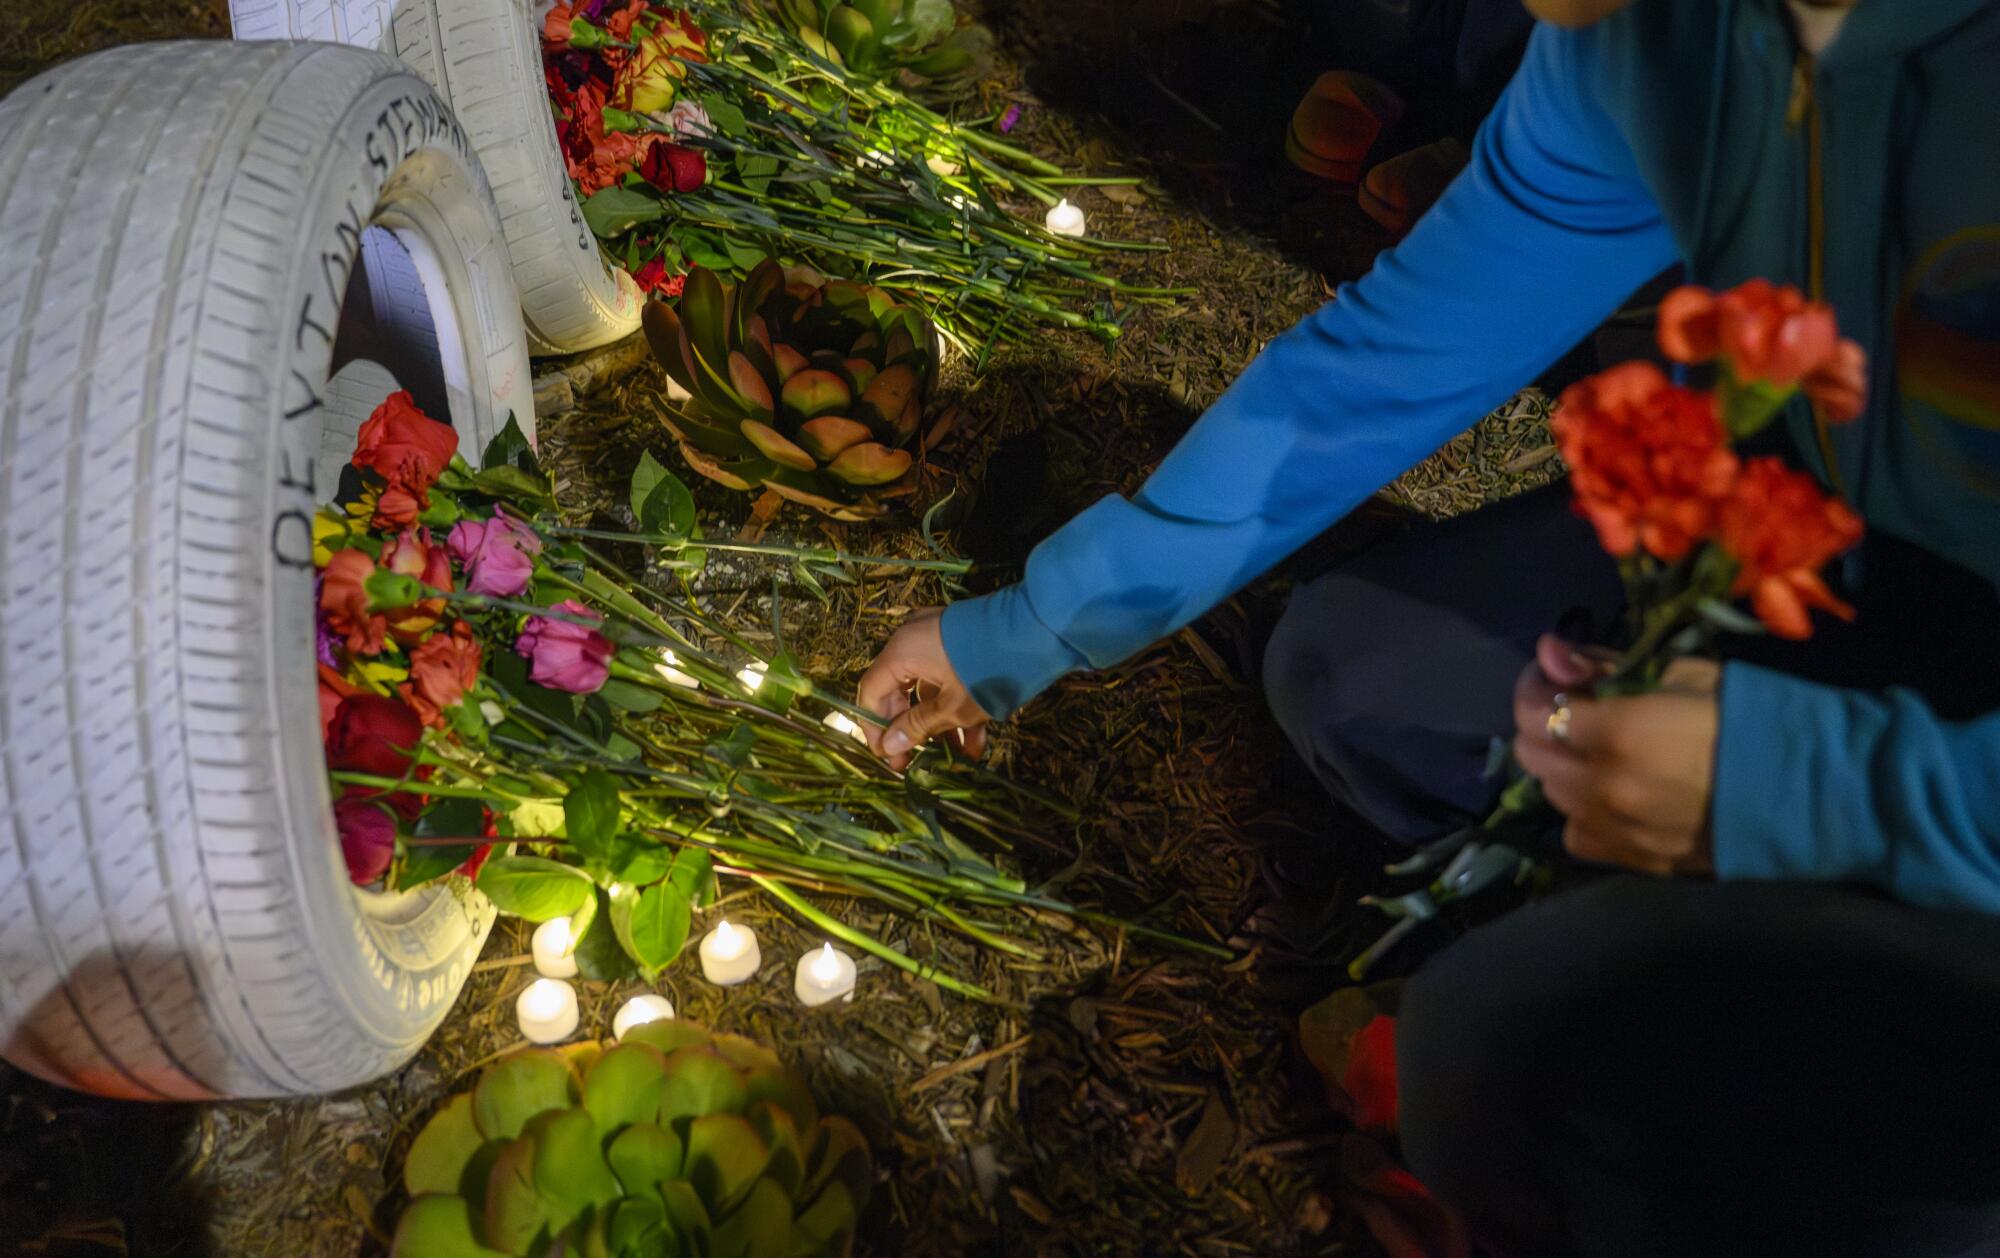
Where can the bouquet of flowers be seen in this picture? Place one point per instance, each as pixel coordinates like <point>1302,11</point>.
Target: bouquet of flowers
<point>718,136</point>
<point>500,701</point>
<point>1693,524</point>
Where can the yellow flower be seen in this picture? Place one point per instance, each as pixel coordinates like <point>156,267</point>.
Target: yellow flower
<point>380,675</point>
<point>327,525</point>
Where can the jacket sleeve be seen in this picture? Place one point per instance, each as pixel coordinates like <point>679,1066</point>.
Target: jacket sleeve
<point>1548,228</point>
<point>1817,782</point>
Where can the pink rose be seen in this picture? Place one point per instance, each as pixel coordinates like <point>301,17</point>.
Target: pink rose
<point>367,836</point>
<point>498,555</point>
<point>563,655</point>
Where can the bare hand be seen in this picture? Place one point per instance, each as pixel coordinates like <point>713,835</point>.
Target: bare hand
<point>1635,775</point>
<point>913,660</point>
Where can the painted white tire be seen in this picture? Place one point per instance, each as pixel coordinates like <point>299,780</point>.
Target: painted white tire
<point>179,231</point>
<point>484,58</point>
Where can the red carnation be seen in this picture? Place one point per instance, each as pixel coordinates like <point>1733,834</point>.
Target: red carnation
<point>1782,529</point>
<point>1647,459</point>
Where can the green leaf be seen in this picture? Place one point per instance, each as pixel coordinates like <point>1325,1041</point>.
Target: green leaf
<point>725,1157</point>
<point>684,1207</point>
<point>623,1086</point>
<point>669,1035</point>
<point>591,814</point>
<point>693,874</point>
<point>659,925</point>
<point>639,860</point>
<point>825,1225</point>
<point>699,1081</point>
<point>639,1227</point>
<point>514,485</point>
<point>616,120</point>
<point>439,1227</point>
<point>599,956</point>
<point>510,448</point>
<point>570,1169</point>
<point>516,1088</point>
<point>442,1151</point>
<point>733,750</point>
<point>533,887</point>
<point>661,502</point>
<point>743,253</point>
<point>645,1155</point>
<point>621,748</point>
<point>446,818</point>
<point>761,1225</point>
<point>585,36</point>
<point>515,1214</point>
<point>726,117</point>
<point>611,212</point>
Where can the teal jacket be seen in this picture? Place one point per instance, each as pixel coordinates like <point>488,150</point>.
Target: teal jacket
<point>1690,130</point>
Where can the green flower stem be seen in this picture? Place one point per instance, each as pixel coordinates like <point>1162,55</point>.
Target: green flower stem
<point>817,554</point>
<point>378,783</point>
<point>867,943</point>
<point>1094,181</point>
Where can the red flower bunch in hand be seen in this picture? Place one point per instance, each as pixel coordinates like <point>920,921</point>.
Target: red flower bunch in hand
<point>1770,335</point>
<point>1782,529</point>
<point>1648,460</point>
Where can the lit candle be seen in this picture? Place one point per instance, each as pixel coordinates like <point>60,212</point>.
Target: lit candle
<point>673,676</point>
<point>640,1010</point>
<point>729,954</point>
<point>555,951</point>
<point>841,723</point>
<point>1064,219</point>
<point>547,1011</point>
<point>752,676</point>
<point>823,976</point>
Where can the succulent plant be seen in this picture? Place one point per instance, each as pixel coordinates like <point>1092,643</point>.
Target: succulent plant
<point>876,36</point>
<point>675,1142</point>
<point>810,386</point>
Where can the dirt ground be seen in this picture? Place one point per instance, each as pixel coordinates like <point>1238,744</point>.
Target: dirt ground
<point>1122,1099</point>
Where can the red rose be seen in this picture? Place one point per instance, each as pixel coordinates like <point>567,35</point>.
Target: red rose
<point>1782,529</point>
<point>441,671</point>
<point>674,167</point>
<point>373,734</point>
<point>367,836</point>
<point>405,447</point>
<point>343,596</point>
<point>1648,462</point>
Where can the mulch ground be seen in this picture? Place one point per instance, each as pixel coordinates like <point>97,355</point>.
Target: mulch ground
<point>1121,1098</point>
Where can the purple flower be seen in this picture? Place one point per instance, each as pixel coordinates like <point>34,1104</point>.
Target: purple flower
<point>497,555</point>
<point>323,635</point>
<point>563,655</point>
<point>1008,119</point>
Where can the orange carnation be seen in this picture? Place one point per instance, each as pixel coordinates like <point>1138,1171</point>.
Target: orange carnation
<point>1767,332</point>
<point>1782,529</point>
<point>442,670</point>
<point>1647,459</point>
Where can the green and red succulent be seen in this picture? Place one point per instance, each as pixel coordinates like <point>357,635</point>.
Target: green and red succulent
<point>676,1143</point>
<point>814,388</point>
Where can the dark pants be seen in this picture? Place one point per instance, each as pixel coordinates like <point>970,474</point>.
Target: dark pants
<point>1641,1067</point>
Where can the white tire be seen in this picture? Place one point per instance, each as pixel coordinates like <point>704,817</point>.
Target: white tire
<point>183,227</point>
<point>484,58</point>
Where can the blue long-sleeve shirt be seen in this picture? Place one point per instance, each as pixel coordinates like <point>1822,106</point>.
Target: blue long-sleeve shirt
<point>1666,132</point>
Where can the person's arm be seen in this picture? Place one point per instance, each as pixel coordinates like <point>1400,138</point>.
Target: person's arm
<point>1530,248</point>
<point>1822,783</point>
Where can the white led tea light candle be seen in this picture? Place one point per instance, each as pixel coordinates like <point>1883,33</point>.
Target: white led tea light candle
<point>547,1011</point>
<point>1064,219</point>
<point>672,675</point>
<point>841,723</point>
<point>641,1009</point>
<point>555,952</point>
<point>729,954</point>
<point>824,975</point>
